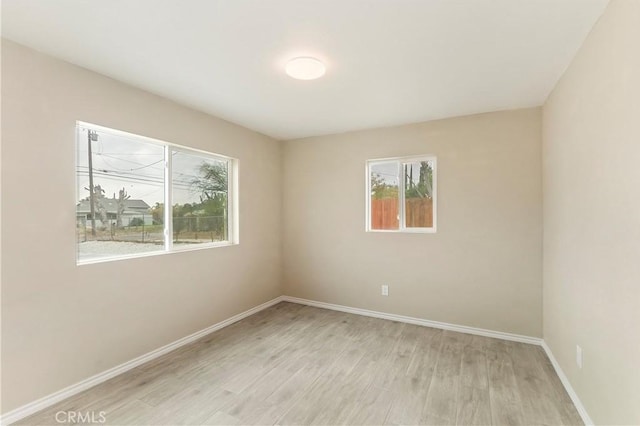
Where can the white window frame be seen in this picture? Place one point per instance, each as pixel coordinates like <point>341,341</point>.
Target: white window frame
<point>401,194</point>
<point>233,231</point>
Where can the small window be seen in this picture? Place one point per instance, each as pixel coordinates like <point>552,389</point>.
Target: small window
<point>124,182</point>
<point>401,194</point>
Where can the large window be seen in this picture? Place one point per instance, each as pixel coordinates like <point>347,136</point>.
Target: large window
<point>401,194</point>
<point>125,181</point>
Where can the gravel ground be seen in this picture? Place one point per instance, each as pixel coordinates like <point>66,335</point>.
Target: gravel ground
<point>99,249</point>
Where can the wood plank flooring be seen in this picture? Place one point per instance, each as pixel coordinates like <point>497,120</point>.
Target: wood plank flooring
<point>297,365</point>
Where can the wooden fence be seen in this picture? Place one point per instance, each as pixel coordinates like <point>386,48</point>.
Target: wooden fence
<point>418,213</point>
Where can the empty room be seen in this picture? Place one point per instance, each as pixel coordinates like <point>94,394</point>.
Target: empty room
<point>320,212</point>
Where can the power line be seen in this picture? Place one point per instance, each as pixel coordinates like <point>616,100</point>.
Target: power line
<point>157,176</point>
<point>140,178</point>
<point>130,161</point>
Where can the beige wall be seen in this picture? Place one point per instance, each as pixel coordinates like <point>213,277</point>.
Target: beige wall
<point>592,217</point>
<point>483,268</point>
<point>62,323</point>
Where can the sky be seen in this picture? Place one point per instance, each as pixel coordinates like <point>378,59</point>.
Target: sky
<point>388,171</point>
<point>137,165</point>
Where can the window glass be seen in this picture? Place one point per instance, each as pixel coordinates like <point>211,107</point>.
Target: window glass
<point>385,214</point>
<point>120,181</point>
<point>418,190</point>
<point>200,198</point>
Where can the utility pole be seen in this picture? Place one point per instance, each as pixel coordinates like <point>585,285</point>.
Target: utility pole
<point>91,136</point>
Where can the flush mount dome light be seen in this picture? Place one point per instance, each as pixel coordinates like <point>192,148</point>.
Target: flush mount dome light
<point>305,68</point>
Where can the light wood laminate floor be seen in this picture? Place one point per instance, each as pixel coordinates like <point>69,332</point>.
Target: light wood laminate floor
<point>294,364</point>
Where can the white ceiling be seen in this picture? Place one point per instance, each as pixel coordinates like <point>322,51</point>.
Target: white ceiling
<point>388,61</point>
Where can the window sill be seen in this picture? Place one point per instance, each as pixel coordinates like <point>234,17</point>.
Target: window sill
<point>404,231</point>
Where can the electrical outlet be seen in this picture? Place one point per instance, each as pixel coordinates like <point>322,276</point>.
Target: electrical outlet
<point>385,290</point>
<point>579,356</point>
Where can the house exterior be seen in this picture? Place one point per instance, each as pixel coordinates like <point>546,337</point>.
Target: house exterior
<point>134,209</point>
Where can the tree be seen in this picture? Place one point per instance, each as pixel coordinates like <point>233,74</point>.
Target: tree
<point>136,221</point>
<point>212,185</point>
<point>381,189</point>
<point>424,187</point>
<point>101,210</point>
<point>212,182</point>
<point>157,213</point>
<point>122,198</point>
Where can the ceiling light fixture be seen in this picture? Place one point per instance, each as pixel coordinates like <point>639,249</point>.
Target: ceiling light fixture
<point>305,68</point>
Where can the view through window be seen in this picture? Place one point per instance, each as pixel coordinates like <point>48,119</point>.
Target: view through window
<point>200,187</point>
<point>401,194</point>
<point>123,184</point>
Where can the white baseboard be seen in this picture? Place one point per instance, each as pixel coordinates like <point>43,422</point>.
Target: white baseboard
<point>565,382</point>
<point>49,400</point>
<point>417,321</point>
